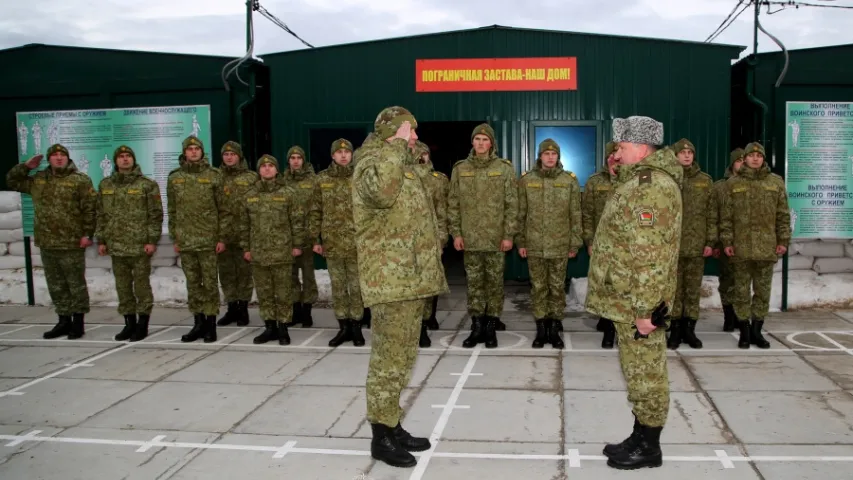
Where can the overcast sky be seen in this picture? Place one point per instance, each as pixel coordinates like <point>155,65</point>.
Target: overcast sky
<point>218,26</point>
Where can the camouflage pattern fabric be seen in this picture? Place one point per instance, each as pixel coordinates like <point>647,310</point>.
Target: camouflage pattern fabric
<point>200,268</point>
<point>346,289</point>
<point>688,288</point>
<point>302,183</point>
<point>274,293</point>
<point>130,213</point>
<point>726,279</point>
<point>64,204</point>
<point>485,277</point>
<point>304,290</point>
<point>396,328</point>
<point>644,367</point>
<point>235,274</point>
<point>755,216</point>
<point>399,256</point>
<point>438,185</point>
<point>427,311</point>
<point>699,223</point>
<point>597,191</point>
<point>634,260</point>
<point>65,274</point>
<point>133,284</point>
<point>548,286</point>
<point>272,225</point>
<point>331,218</point>
<point>755,276</point>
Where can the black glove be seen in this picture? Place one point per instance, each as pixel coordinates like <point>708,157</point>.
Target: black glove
<point>658,320</point>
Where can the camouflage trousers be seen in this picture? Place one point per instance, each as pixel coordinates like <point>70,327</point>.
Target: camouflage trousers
<point>427,312</point>
<point>200,268</point>
<point>306,290</point>
<point>346,289</point>
<point>485,276</point>
<point>65,273</point>
<point>548,286</point>
<point>755,276</point>
<point>275,292</point>
<point>726,280</point>
<point>235,274</point>
<point>133,284</point>
<point>688,288</point>
<point>644,367</point>
<point>396,329</point>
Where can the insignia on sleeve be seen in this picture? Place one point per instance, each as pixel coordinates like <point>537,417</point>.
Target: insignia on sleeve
<point>645,177</point>
<point>646,217</point>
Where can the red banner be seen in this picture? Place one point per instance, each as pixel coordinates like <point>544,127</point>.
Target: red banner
<point>496,74</point>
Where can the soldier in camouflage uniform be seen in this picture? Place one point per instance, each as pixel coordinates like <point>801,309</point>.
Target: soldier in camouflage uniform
<point>549,220</point>
<point>482,213</point>
<point>633,274</point>
<point>199,224</point>
<point>698,235</point>
<point>725,277</point>
<point>597,191</point>
<point>755,230</point>
<point>235,274</point>
<point>271,232</point>
<point>300,176</point>
<point>130,221</point>
<point>64,204</point>
<point>332,229</point>
<point>399,269</point>
<point>437,183</point>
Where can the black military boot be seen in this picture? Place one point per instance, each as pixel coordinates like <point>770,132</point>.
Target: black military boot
<point>385,447</point>
<point>609,337</point>
<point>77,327</point>
<point>489,336</point>
<point>432,321</point>
<point>242,313</point>
<point>645,452</point>
<point>408,442</point>
<point>628,444</point>
<point>357,337</point>
<point>424,341</point>
<point>366,317</point>
<point>283,336</point>
<point>210,329</point>
<point>270,332</point>
<point>344,334</point>
<point>729,319</point>
<point>743,341</point>
<point>499,325</point>
<point>307,319</point>
<point>141,330</point>
<point>675,333</point>
<point>230,316</point>
<point>476,336</point>
<point>602,324</point>
<point>755,336</point>
<point>62,328</point>
<point>127,331</point>
<point>541,333</point>
<point>688,326</point>
<point>197,330</point>
<point>297,313</point>
<point>558,324</point>
<point>554,337</point>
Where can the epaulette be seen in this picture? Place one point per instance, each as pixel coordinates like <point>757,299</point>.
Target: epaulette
<point>437,173</point>
<point>525,173</point>
<point>506,162</point>
<point>573,174</point>
<point>645,176</point>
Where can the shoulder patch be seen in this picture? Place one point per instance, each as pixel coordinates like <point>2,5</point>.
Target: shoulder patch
<point>645,177</point>
<point>573,174</point>
<point>645,216</point>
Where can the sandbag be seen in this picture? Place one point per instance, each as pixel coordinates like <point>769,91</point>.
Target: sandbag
<point>833,265</point>
<point>848,250</point>
<point>822,249</point>
<point>9,262</point>
<point>97,272</point>
<point>795,262</point>
<point>100,262</point>
<point>11,220</point>
<point>10,201</point>
<point>168,272</point>
<point>9,236</point>
<point>165,251</point>
<point>3,249</point>
<point>162,262</point>
<point>17,249</point>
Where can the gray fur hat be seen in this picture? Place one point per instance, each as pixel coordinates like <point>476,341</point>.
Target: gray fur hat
<point>642,130</point>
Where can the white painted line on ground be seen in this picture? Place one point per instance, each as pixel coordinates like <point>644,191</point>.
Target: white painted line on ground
<point>24,438</point>
<point>148,445</point>
<point>832,341</point>
<point>724,459</point>
<point>424,459</point>
<point>574,458</point>
<point>311,338</point>
<point>284,450</point>
<point>238,332</point>
<point>16,330</point>
<point>78,365</point>
<point>463,407</point>
<point>456,374</point>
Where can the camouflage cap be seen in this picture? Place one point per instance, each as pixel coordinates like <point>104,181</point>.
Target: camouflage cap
<point>683,144</point>
<point>192,140</point>
<point>342,143</point>
<point>484,129</point>
<point>390,119</point>
<point>123,149</point>
<point>231,146</point>
<point>737,154</point>
<point>295,150</point>
<point>57,148</point>
<point>637,129</point>
<point>753,147</point>
<point>549,145</point>
<point>265,159</point>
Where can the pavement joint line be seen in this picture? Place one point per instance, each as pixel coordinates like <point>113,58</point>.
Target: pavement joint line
<point>284,450</point>
<point>17,329</point>
<point>150,444</point>
<point>724,459</point>
<point>574,456</point>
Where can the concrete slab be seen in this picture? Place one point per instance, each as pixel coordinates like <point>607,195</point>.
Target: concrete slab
<point>602,372</point>
<point>141,365</point>
<point>349,369</point>
<point>30,362</point>
<point>63,402</point>
<point>798,322</point>
<point>9,452</point>
<point>247,368</point>
<point>602,417</point>
<point>808,342</point>
<point>845,314</point>
<point>17,313</point>
<point>838,368</point>
<point>787,417</point>
<point>517,373</point>
<point>189,407</point>
<point>725,344</point>
<point>48,318</point>
<point>839,339</point>
<point>759,373</point>
<point>794,469</point>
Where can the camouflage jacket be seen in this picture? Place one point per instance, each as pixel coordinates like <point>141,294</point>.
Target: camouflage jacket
<point>699,222</point>
<point>399,257</point>
<point>302,183</point>
<point>273,225</point>
<point>549,212</point>
<point>437,184</point>
<point>330,219</point>
<point>755,216</point>
<point>238,180</point>
<point>198,212</point>
<point>130,213</point>
<point>482,203</point>
<point>64,204</point>
<point>634,262</point>
<point>596,192</point>
<point>716,204</point>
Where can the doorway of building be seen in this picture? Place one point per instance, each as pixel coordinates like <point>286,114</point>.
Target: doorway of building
<point>449,142</point>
